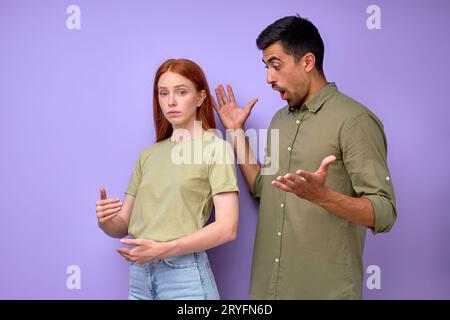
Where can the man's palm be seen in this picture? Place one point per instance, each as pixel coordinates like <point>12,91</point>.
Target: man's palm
<point>230,114</point>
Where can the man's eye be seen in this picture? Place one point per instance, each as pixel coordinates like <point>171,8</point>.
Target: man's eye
<point>276,67</point>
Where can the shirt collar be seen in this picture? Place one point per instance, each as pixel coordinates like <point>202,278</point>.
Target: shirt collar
<point>316,101</point>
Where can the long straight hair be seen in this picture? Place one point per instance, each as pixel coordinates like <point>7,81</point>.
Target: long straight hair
<point>194,73</point>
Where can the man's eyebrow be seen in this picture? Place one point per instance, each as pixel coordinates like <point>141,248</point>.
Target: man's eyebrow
<point>271,59</point>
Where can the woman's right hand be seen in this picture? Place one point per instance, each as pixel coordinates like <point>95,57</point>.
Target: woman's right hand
<point>106,209</point>
<point>230,114</point>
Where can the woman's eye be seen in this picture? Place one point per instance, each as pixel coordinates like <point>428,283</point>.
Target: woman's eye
<point>182,92</point>
<point>163,93</point>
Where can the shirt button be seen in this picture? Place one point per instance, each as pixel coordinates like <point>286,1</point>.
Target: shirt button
<point>282,205</point>
<point>277,260</point>
<point>387,178</point>
<point>289,148</point>
<point>279,233</point>
<point>297,122</point>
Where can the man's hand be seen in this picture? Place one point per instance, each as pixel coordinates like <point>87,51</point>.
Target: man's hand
<point>306,185</point>
<point>230,114</point>
<point>144,251</point>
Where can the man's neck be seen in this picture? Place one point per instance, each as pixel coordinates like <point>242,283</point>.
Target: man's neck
<point>317,83</point>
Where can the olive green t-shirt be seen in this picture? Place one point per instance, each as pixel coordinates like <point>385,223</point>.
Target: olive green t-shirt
<point>174,185</point>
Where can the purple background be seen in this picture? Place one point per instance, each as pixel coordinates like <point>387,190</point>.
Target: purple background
<point>76,110</point>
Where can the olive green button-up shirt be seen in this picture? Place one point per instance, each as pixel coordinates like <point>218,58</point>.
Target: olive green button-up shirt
<point>301,250</point>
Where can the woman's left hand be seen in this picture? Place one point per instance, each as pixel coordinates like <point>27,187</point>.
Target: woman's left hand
<point>144,251</point>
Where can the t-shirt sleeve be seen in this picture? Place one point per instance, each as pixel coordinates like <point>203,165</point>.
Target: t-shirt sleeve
<point>135,179</point>
<point>222,173</point>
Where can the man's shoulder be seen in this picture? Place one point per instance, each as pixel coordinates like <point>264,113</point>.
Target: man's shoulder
<point>348,111</point>
<point>346,107</point>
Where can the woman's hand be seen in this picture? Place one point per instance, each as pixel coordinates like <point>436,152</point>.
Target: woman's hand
<point>106,209</point>
<point>144,251</point>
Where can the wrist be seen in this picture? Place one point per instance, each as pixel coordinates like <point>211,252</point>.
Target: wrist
<point>169,249</point>
<point>324,197</point>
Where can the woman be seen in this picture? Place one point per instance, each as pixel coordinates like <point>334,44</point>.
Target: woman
<point>169,201</point>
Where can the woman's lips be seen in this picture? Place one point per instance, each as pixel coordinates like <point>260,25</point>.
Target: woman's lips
<point>173,113</point>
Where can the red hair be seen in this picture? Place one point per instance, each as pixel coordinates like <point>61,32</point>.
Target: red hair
<point>194,73</point>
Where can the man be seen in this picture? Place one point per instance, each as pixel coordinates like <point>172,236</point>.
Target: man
<point>333,181</point>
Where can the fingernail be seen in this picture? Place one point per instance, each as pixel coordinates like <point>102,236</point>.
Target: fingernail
<point>122,240</point>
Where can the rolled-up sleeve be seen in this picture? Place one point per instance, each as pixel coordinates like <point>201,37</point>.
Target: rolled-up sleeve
<point>364,153</point>
<point>257,185</point>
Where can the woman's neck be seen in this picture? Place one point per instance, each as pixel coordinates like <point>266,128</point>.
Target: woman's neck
<point>185,133</point>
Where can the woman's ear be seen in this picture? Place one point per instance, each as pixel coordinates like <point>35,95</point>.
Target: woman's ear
<point>201,98</point>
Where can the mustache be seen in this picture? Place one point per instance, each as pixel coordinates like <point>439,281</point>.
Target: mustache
<point>274,87</point>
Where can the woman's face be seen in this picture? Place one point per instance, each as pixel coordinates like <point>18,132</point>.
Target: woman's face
<point>179,99</point>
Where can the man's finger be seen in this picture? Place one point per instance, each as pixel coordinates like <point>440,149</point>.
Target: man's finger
<point>219,97</point>
<point>326,163</point>
<point>305,176</point>
<point>230,93</point>
<point>282,186</point>
<point>224,94</point>
<point>290,181</point>
<point>215,106</point>
<point>102,193</point>
<point>251,104</point>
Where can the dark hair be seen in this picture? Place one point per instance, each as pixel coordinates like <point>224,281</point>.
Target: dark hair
<point>297,35</point>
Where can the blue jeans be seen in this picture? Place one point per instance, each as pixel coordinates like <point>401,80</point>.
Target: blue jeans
<point>185,277</point>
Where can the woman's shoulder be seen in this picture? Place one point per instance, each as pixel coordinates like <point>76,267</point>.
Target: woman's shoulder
<point>147,151</point>
<point>222,149</point>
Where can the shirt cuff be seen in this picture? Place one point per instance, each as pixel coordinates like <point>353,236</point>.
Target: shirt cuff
<point>257,185</point>
<point>385,213</point>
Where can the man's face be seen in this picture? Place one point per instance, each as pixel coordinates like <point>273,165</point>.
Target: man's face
<point>285,75</point>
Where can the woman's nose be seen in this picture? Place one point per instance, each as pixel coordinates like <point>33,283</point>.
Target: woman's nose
<point>172,101</point>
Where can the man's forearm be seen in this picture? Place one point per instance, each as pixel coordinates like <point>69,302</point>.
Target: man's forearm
<point>245,158</point>
<point>356,210</point>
